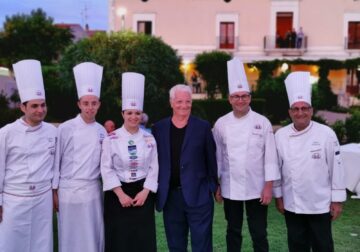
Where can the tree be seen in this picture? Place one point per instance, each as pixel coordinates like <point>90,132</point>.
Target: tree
<point>213,69</point>
<point>32,36</point>
<point>123,52</point>
<point>323,96</point>
<point>273,91</point>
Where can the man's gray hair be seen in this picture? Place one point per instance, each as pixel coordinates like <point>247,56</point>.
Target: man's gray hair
<point>179,87</point>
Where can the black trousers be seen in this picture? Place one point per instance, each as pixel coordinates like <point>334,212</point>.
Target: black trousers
<point>129,229</point>
<point>307,231</point>
<point>257,222</point>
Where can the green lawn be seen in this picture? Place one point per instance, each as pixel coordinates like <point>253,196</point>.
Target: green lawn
<point>346,230</point>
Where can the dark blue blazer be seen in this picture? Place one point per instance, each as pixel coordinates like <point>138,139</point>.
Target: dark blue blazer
<point>198,167</point>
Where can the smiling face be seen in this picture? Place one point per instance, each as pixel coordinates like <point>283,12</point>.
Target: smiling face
<point>89,105</point>
<point>132,119</point>
<point>34,111</point>
<point>301,114</point>
<point>181,104</point>
<point>240,102</point>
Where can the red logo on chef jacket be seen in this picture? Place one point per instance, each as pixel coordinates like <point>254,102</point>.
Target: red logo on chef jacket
<point>38,93</point>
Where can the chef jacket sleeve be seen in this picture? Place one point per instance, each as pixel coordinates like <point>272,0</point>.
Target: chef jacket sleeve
<point>108,173</point>
<point>277,191</point>
<point>219,148</point>
<point>272,170</point>
<point>2,162</point>
<point>151,181</point>
<point>57,162</point>
<point>337,174</point>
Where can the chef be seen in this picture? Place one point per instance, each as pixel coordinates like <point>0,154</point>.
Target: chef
<point>27,151</point>
<point>247,163</point>
<point>312,187</point>
<point>129,168</point>
<point>77,178</point>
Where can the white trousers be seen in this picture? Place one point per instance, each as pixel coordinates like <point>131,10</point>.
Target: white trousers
<point>80,218</point>
<point>27,223</point>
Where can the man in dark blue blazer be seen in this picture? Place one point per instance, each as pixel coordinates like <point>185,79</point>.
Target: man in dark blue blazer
<point>187,174</point>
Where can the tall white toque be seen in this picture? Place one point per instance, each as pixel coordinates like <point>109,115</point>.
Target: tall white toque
<point>29,80</point>
<point>132,91</point>
<point>236,76</point>
<point>88,76</point>
<point>298,87</point>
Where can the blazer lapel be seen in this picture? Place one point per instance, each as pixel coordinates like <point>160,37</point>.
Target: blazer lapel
<point>167,139</point>
<point>188,134</point>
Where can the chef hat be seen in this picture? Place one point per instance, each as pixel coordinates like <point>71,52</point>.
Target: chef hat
<point>236,76</point>
<point>29,80</point>
<point>88,78</point>
<point>298,87</point>
<point>132,91</point>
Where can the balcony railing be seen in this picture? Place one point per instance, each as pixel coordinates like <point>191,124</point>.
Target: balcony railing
<point>284,46</point>
<point>351,44</point>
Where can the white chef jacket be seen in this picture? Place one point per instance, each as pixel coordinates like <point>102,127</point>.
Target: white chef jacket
<point>26,170</point>
<point>26,158</point>
<point>246,155</point>
<point>128,158</point>
<point>312,174</point>
<point>78,152</point>
<point>77,173</point>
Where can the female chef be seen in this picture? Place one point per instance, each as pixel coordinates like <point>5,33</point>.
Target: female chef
<point>129,168</point>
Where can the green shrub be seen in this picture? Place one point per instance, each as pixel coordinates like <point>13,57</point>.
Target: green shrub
<point>211,110</point>
<point>340,131</point>
<point>352,126</point>
<point>118,53</point>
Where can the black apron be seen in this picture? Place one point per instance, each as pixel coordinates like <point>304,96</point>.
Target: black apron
<point>129,229</point>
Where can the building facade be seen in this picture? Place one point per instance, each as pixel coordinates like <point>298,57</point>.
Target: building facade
<point>246,28</point>
<point>253,30</point>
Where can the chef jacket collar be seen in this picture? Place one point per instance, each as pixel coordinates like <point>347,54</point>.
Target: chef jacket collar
<point>25,127</point>
<point>243,117</point>
<point>81,121</point>
<point>128,134</point>
<point>301,132</point>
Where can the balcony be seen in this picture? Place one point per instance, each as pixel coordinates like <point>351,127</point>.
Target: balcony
<point>278,46</point>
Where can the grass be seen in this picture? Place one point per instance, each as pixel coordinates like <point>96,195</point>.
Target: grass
<point>346,230</point>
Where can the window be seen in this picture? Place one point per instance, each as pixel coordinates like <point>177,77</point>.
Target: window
<point>144,27</point>
<point>144,23</point>
<point>354,35</point>
<point>227,35</point>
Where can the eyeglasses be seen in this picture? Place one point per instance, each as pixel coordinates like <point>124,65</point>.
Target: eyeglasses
<point>244,97</point>
<point>302,109</point>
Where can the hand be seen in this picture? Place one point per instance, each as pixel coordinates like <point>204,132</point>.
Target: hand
<point>280,205</point>
<point>218,197</point>
<point>55,200</point>
<point>335,210</point>
<point>124,199</point>
<point>141,197</point>
<point>266,194</point>
<point>1,213</point>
